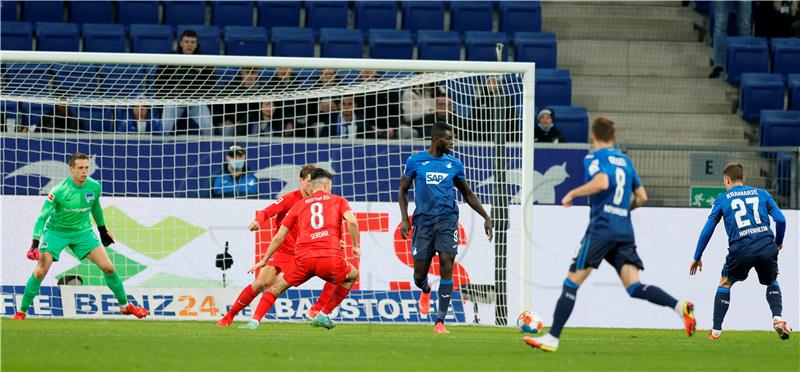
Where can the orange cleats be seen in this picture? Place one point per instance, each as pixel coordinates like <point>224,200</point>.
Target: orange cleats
<point>424,303</point>
<point>712,336</point>
<point>19,316</point>
<point>224,322</point>
<point>543,343</point>
<point>439,327</point>
<point>136,311</point>
<point>780,326</point>
<point>689,322</point>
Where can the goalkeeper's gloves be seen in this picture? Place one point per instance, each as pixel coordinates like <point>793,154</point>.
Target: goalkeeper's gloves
<point>105,237</point>
<point>33,252</point>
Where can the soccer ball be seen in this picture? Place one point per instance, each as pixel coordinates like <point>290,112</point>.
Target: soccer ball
<point>529,322</point>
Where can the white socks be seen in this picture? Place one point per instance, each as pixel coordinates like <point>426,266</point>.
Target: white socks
<point>679,308</point>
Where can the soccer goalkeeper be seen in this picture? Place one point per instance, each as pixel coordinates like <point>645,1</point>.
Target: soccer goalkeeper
<point>65,221</point>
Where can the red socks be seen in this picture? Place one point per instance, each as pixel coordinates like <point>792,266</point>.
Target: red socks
<point>339,294</point>
<point>266,302</point>
<point>245,298</point>
<point>328,291</point>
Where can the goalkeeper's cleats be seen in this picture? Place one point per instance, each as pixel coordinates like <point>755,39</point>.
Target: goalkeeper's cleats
<point>19,316</point>
<point>224,322</point>
<point>424,303</point>
<point>780,326</point>
<point>251,325</point>
<point>440,329</point>
<point>134,310</point>
<point>689,322</point>
<point>322,320</point>
<point>544,343</point>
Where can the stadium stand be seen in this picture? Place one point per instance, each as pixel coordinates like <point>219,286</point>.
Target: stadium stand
<point>292,42</point>
<point>573,122</point>
<point>102,37</point>
<point>328,14</point>
<point>746,54</point>
<point>423,15</point>
<point>390,44</point>
<point>232,13</point>
<point>780,128</point>
<point>553,88</point>
<point>375,15</point>
<point>471,16</point>
<point>439,45</point>
<point>137,12</point>
<point>279,14</point>
<point>96,119</point>
<point>151,39</point>
<point>57,37</point>
<point>8,11</point>
<point>520,16</point>
<point>785,53</point>
<point>481,45</point>
<point>341,43</point>
<point>16,35</point>
<point>208,37</point>
<point>90,11</point>
<point>43,11</point>
<point>794,92</point>
<point>539,47</point>
<point>760,91</point>
<point>245,41</point>
<point>184,13</point>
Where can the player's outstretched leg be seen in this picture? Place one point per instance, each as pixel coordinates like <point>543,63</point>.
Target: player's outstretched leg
<point>266,302</point>
<point>775,301</point>
<point>722,300</point>
<point>114,283</point>
<point>34,284</point>
<point>340,293</point>
<point>629,274</point>
<point>264,280</point>
<point>564,306</point>
<point>328,291</point>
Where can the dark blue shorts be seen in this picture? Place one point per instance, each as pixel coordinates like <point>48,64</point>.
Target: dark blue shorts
<point>593,251</point>
<point>738,266</point>
<point>431,238</point>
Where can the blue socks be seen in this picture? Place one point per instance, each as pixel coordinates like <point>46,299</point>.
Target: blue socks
<point>445,293</point>
<point>774,299</point>
<point>564,307</point>
<point>423,284</point>
<point>651,293</point>
<point>721,303</point>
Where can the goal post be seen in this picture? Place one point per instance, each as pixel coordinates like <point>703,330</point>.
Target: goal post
<point>164,132</point>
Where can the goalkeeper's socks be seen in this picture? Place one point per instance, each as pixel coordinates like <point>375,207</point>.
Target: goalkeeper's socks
<point>445,292</point>
<point>31,290</point>
<point>245,298</point>
<point>652,294</point>
<point>774,299</point>
<point>327,295</point>
<point>423,285</point>
<point>339,294</point>
<point>266,302</point>
<point>114,282</point>
<point>722,300</point>
<point>564,307</point>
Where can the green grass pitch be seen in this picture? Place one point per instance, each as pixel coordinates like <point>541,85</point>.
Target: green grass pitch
<point>40,344</point>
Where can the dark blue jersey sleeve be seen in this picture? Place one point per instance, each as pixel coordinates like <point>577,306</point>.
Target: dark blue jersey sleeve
<point>460,171</point>
<point>708,229</point>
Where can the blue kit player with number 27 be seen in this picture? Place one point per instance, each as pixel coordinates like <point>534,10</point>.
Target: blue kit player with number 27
<point>746,211</point>
<point>614,189</point>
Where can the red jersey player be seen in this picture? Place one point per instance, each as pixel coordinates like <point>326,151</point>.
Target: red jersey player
<point>318,220</point>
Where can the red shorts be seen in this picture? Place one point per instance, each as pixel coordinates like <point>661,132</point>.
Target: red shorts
<point>282,262</point>
<point>330,269</point>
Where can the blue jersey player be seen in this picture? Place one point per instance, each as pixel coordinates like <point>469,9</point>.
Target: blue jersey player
<point>614,189</point>
<point>746,212</point>
<point>435,172</point>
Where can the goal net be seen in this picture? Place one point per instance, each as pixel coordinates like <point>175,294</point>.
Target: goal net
<point>189,148</point>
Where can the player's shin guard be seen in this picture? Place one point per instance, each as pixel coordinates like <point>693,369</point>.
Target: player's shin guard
<point>266,302</point>
<point>652,294</point>
<point>423,284</point>
<point>339,294</point>
<point>721,302</point>
<point>327,295</point>
<point>774,299</point>
<point>114,283</point>
<point>31,290</point>
<point>245,298</point>
<point>564,307</point>
<point>445,293</point>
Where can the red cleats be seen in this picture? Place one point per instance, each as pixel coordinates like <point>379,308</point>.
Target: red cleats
<point>712,336</point>
<point>136,311</point>
<point>224,322</point>
<point>780,326</point>
<point>439,327</point>
<point>689,322</point>
<point>425,303</point>
<point>19,316</point>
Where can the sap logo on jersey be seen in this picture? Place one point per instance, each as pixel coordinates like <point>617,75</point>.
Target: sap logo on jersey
<point>434,178</point>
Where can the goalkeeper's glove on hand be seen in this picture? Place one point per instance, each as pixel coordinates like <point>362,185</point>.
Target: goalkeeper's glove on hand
<point>105,236</point>
<point>33,252</point>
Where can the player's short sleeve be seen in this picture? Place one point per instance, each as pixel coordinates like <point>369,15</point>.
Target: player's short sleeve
<point>591,166</point>
<point>460,171</point>
<point>344,206</point>
<point>410,170</point>
<point>291,217</point>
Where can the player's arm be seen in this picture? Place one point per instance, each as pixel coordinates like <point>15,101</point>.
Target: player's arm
<point>272,210</point>
<point>705,237</point>
<point>97,214</point>
<point>38,227</point>
<point>639,198</point>
<point>474,203</point>
<point>352,227</point>
<point>780,221</point>
<point>276,242</point>
<point>598,184</point>
<point>402,199</point>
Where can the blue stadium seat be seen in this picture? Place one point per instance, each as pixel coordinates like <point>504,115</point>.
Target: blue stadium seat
<point>292,42</point>
<point>34,112</point>
<point>43,11</point>
<point>232,13</point>
<point>390,44</point>
<point>246,41</point>
<point>376,15</point>
<point>423,15</point>
<point>539,47</point>
<point>786,56</point>
<point>107,38</point>
<point>96,119</point>
<point>26,76</point>
<point>746,54</point>
<point>123,81</point>
<point>8,11</point>
<point>341,43</point>
<point>151,39</point>
<point>780,128</point>
<point>16,35</point>
<point>439,45</point>
<point>520,16</point>
<point>207,36</point>
<point>184,13</point>
<point>760,91</point>
<point>471,16</point>
<point>573,122</point>
<point>57,37</point>
<point>794,92</point>
<point>279,14</point>
<point>553,88</point>
<point>328,14</point>
<point>133,12</point>
<point>90,12</point>
<point>481,45</point>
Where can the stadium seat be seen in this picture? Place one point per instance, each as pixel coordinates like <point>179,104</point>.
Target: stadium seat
<point>341,43</point>
<point>746,54</point>
<point>16,35</point>
<point>246,41</point>
<point>26,76</point>
<point>794,92</point>
<point>292,42</point>
<point>539,47</point>
<point>439,45</point>
<point>520,16</point>
<point>124,81</point>
<point>780,128</point>
<point>328,14</point>
<point>786,56</point>
<point>184,13</point>
<point>207,36</point>
<point>151,39</point>
<point>553,88</point>
<point>278,14</point>
<point>107,38</point>
<point>481,45</point>
<point>471,16</point>
<point>43,11</point>
<point>423,15</point>
<point>376,15</point>
<point>135,12</point>
<point>760,91</point>
<point>390,44</point>
<point>34,112</point>
<point>96,119</point>
<point>57,37</point>
<point>573,122</point>
<point>232,13</point>
<point>90,12</point>
<point>8,11</point>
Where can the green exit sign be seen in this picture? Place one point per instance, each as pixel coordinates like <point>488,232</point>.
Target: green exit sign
<point>703,197</point>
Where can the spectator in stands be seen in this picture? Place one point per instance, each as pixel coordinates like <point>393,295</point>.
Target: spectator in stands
<point>782,18</point>
<point>380,110</point>
<point>292,111</point>
<point>419,108</point>
<point>346,123</point>
<point>139,119</point>
<point>185,82</point>
<point>493,114</point>
<point>546,130</point>
<point>444,114</point>
<point>321,111</point>
<point>236,118</point>
<point>234,180</point>
<point>722,10</point>
<point>60,119</point>
<point>269,121</point>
